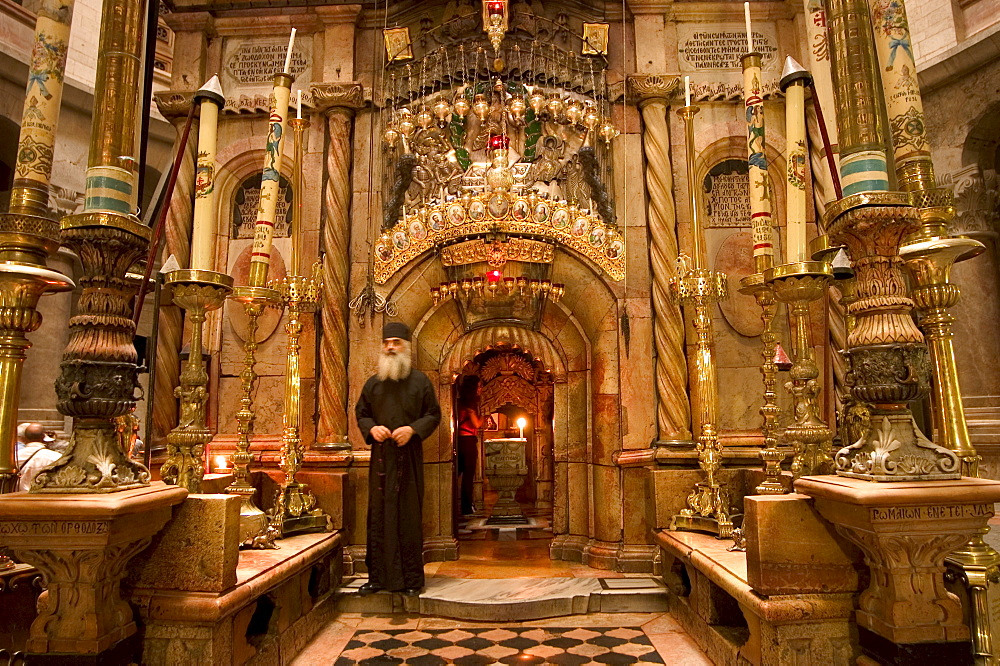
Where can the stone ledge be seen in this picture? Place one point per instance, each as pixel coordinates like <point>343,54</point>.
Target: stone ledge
<point>728,570</point>
<point>258,572</point>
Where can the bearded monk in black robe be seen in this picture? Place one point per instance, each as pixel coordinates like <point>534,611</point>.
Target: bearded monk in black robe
<point>397,410</point>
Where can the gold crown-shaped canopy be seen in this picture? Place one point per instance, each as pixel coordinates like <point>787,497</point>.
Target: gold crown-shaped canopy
<point>499,212</point>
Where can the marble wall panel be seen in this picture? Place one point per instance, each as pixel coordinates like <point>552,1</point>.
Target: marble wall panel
<point>437,506</point>
<point>739,398</point>
<point>976,313</point>
<point>268,404</point>
<point>638,516</point>
<point>638,272</point>
<point>607,493</point>
<point>636,363</point>
<point>578,498</point>
<point>628,176</point>
<point>357,505</point>
<point>577,417</point>
<point>331,490</point>
<point>650,43</point>
<point>607,434</point>
<point>560,498</point>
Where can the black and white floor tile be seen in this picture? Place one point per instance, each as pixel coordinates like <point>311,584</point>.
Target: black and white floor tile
<point>515,645</point>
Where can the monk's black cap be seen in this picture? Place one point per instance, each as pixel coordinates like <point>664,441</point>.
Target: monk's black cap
<point>396,329</point>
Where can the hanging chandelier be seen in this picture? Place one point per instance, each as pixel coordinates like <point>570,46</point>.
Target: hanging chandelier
<point>496,286</point>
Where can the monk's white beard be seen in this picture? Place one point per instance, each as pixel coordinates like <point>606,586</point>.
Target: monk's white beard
<point>394,366</point>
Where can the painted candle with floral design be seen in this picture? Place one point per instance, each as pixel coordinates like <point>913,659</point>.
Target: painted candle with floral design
<point>42,101</point>
<point>902,94</point>
<point>760,186</point>
<point>260,259</point>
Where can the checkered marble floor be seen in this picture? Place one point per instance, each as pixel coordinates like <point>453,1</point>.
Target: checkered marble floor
<point>513,645</point>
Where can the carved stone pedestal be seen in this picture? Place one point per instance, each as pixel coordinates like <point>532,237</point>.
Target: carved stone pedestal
<point>906,529</point>
<point>82,545</point>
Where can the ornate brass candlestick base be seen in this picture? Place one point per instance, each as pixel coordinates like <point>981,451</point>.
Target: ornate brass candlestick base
<point>772,457</point>
<point>886,353</point>
<point>295,507</point>
<point>25,242</point>
<point>708,506</point>
<point>797,285</point>
<point>929,262</point>
<point>198,292</point>
<point>98,375</point>
<point>255,531</point>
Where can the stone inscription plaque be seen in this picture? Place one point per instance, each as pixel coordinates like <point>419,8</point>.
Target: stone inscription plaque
<point>727,194</point>
<point>247,202</point>
<point>253,63</point>
<point>249,66</point>
<point>720,47</point>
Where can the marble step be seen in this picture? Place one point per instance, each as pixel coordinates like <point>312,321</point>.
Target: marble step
<point>513,599</point>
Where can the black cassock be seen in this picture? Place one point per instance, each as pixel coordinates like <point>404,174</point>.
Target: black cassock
<point>396,477</point>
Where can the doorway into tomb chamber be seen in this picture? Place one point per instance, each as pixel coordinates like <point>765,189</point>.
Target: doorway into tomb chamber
<point>503,461</point>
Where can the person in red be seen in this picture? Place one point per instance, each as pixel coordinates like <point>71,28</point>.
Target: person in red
<point>467,444</point>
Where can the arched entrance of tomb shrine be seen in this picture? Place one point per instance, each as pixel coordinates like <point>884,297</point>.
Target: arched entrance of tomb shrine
<point>507,380</point>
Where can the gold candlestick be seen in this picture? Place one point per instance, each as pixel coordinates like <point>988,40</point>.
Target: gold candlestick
<point>772,457</point>
<point>797,285</point>
<point>198,292</point>
<point>254,528</point>
<point>295,507</point>
<point>708,508</point>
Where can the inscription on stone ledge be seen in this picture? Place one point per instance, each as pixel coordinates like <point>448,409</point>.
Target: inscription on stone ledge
<point>906,513</point>
<point>74,527</point>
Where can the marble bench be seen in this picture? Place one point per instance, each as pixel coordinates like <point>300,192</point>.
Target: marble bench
<point>772,605</point>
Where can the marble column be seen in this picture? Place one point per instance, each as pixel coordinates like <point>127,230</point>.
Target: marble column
<point>177,242</point>
<point>338,101</point>
<point>673,407</point>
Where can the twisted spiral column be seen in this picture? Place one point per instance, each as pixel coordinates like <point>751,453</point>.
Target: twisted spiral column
<point>339,102</point>
<point>673,406</point>
<point>177,241</point>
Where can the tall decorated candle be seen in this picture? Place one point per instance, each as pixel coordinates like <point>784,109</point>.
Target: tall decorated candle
<point>203,235</point>
<point>760,193</point>
<point>260,259</point>
<point>904,106</point>
<point>794,80</point>
<point>819,68</point>
<point>33,168</point>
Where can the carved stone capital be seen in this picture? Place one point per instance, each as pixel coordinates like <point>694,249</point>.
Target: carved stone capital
<point>83,549</point>
<point>905,531</point>
<point>174,105</point>
<point>329,96</point>
<point>646,88</point>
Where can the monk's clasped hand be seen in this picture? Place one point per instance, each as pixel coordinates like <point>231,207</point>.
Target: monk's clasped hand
<point>401,434</point>
<point>380,433</point>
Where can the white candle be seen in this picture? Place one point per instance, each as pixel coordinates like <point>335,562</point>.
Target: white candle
<point>746,12</point>
<point>687,91</point>
<point>298,105</point>
<point>291,41</point>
